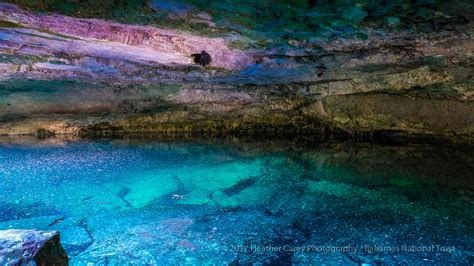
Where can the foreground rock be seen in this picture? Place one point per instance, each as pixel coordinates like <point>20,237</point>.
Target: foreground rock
<point>31,247</point>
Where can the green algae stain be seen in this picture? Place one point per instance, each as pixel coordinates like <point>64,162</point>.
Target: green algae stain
<point>402,181</point>
<point>156,90</point>
<point>39,85</point>
<point>353,13</point>
<point>20,60</point>
<point>9,24</point>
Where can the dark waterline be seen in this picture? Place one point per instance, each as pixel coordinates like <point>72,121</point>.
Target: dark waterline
<point>212,201</point>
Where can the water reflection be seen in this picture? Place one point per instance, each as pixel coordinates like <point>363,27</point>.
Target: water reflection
<point>213,201</point>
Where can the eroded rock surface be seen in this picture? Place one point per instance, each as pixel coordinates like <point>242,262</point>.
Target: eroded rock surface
<point>62,74</point>
<point>31,247</point>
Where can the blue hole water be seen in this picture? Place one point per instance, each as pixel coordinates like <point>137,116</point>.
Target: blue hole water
<point>118,202</point>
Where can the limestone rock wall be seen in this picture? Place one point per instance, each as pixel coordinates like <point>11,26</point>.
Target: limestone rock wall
<point>67,75</point>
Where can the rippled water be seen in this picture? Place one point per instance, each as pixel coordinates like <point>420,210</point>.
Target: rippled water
<point>217,202</point>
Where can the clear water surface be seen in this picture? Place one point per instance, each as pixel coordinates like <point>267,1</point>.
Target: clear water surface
<point>119,202</point>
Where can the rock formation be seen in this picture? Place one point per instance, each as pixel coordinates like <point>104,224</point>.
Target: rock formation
<point>31,247</point>
<point>61,74</point>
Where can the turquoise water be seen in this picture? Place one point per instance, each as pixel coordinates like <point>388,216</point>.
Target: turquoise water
<point>119,202</point>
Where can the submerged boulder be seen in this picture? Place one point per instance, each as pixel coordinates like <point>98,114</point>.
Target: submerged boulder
<point>31,247</point>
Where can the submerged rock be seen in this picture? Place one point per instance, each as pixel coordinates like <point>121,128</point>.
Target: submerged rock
<point>31,247</point>
<point>76,239</point>
<point>237,188</point>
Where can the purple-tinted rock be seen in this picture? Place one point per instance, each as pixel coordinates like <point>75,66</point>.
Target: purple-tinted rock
<point>31,247</point>
<point>158,42</point>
